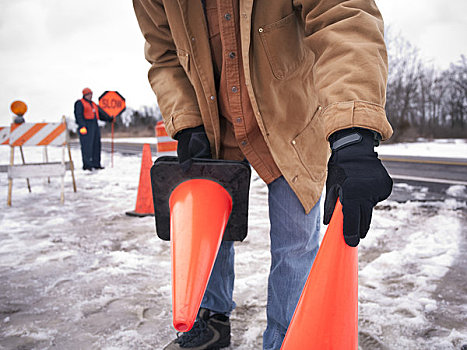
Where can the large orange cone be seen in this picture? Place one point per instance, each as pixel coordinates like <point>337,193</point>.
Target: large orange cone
<point>326,317</point>
<point>144,200</point>
<point>199,211</point>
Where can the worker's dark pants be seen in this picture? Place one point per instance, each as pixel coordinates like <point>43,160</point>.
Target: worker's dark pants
<point>91,145</point>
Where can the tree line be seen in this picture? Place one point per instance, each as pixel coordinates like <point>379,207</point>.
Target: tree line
<point>422,101</point>
<point>136,122</point>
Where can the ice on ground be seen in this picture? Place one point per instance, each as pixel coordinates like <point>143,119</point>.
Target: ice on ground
<point>83,275</point>
<point>456,190</point>
<point>139,140</point>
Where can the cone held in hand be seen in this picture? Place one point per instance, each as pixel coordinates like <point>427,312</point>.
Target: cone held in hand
<point>199,212</point>
<point>326,317</point>
<point>144,200</point>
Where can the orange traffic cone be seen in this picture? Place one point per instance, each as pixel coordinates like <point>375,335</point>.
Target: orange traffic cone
<point>144,200</point>
<point>199,211</point>
<point>326,317</point>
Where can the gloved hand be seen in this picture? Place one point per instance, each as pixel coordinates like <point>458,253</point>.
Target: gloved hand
<point>83,130</point>
<point>192,143</point>
<point>358,178</point>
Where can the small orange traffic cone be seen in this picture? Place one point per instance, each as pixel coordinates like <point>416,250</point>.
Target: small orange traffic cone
<point>144,200</point>
<point>326,317</point>
<point>199,211</point>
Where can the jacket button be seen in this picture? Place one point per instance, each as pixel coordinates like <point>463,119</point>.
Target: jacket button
<point>228,16</point>
<point>294,180</point>
<point>294,142</point>
<point>260,30</point>
<point>234,89</point>
<point>320,108</point>
<point>239,120</point>
<point>232,55</point>
<point>212,98</point>
<point>244,143</point>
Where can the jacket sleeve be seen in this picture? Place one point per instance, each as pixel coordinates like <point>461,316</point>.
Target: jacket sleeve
<point>79,117</point>
<point>350,70</point>
<point>175,94</point>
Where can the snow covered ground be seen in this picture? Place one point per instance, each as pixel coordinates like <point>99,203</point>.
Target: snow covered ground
<point>450,148</point>
<point>83,275</point>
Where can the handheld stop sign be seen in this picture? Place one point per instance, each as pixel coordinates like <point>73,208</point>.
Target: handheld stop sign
<point>113,104</point>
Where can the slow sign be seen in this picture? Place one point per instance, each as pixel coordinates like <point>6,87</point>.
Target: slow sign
<point>112,103</point>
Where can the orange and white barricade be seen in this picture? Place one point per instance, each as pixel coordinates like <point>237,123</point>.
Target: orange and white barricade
<point>166,146</point>
<point>39,134</point>
<point>4,141</point>
<point>4,135</point>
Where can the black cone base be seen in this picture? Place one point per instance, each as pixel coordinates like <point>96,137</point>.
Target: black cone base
<point>234,176</point>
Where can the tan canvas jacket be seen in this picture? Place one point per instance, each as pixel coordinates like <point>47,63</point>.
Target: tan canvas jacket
<point>311,67</point>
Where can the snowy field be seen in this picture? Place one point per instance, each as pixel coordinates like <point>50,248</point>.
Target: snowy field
<point>455,148</point>
<point>83,275</point>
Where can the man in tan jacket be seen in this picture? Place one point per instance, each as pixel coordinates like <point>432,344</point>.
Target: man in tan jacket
<point>284,84</point>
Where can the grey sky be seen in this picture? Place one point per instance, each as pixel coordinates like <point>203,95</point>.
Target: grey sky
<point>437,27</point>
<point>51,49</point>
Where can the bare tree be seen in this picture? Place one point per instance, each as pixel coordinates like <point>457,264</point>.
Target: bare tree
<point>421,100</point>
<point>456,99</point>
<point>405,73</point>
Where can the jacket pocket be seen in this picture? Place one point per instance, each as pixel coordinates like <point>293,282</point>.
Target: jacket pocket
<point>184,58</point>
<point>283,43</point>
<point>312,147</point>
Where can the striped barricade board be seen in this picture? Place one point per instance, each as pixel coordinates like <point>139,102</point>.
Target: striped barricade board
<point>38,134</point>
<point>165,144</point>
<point>4,135</point>
<point>4,167</point>
<point>30,170</point>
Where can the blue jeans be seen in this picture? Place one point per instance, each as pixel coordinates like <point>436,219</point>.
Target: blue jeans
<point>294,244</point>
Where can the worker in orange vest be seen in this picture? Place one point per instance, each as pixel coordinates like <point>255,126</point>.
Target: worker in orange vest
<point>86,114</point>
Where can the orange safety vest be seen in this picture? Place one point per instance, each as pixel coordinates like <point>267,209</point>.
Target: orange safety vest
<point>90,109</point>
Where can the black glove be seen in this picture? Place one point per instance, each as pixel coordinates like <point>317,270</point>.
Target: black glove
<point>192,143</point>
<point>357,177</point>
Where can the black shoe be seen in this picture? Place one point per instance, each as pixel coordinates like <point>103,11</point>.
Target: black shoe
<point>208,333</point>
<point>98,167</point>
<point>87,168</point>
